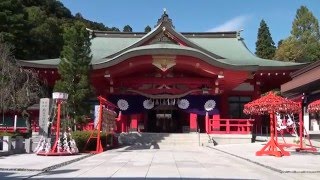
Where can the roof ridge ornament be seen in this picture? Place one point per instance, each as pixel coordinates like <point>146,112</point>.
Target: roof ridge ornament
<point>239,34</point>
<point>164,19</point>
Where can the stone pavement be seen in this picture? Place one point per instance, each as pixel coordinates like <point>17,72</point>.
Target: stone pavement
<point>297,162</point>
<point>172,162</point>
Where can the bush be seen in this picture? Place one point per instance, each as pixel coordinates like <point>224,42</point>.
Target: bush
<point>81,138</point>
<point>13,135</point>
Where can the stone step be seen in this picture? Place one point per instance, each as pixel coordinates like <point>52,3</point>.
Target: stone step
<point>183,138</point>
<point>189,139</point>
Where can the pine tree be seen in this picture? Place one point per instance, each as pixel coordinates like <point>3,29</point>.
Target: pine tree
<point>147,29</point>
<point>74,70</point>
<point>265,46</point>
<point>305,37</point>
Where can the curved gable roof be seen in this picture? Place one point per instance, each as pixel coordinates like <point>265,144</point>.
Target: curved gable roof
<point>155,49</point>
<point>223,49</point>
<point>161,28</point>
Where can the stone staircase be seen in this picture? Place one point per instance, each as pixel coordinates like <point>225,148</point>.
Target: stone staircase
<point>157,140</point>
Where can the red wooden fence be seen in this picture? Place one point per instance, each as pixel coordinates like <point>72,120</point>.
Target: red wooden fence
<point>230,126</point>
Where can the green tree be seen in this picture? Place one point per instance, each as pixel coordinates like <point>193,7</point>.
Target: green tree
<point>280,42</point>
<point>44,35</point>
<point>265,46</point>
<point>114,29</point>
<point>5,81</point>
<point>147,29</point>
<point>12,24</point>
<point>289,50</point>
<point>305,35</point>
<point>35,27</point>
<point>74,70</point>
<point>127,28</point>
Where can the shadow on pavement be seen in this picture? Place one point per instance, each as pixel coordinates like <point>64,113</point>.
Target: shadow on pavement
<point>11,175</point>
<point>137,146</point>
<point>305,153</point>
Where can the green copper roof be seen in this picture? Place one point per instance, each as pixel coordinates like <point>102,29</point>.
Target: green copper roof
<point>235,52</point>
<point>223,49</point>
<point>102,47</point>
<point>173,49</point>
<point>47,63</point>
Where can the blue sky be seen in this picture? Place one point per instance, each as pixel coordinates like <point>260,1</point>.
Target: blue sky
<point>198,15</point>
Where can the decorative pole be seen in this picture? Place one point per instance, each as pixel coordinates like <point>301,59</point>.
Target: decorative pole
<point>54,148</point>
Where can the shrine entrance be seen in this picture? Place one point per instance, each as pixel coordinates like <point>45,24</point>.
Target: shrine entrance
<point>166,119</point>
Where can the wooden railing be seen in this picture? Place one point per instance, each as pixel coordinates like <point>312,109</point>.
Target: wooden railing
<point>230,126</point>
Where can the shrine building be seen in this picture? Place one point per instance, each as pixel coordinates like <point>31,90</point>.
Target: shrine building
<point>305,86</point>
<point>168,81</point>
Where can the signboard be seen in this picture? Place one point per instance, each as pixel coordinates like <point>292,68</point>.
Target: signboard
<point>45,104</point>
<point>108,118</point>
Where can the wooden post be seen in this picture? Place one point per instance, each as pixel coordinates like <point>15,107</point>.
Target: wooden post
<point>193,122</point>
<point>228,126</point>
<point>301,133</point>
<point>207,122</point>
<point>248,127</point>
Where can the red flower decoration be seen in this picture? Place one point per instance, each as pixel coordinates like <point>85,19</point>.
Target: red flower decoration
<point>271,103</point>
<point>314,107</point>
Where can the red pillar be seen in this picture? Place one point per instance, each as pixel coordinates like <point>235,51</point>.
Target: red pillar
<point>207,123</point>
<point>193,122</point>
<point>134,122</point>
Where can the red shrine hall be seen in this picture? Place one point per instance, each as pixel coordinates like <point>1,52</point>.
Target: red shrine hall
<point>170,81</point>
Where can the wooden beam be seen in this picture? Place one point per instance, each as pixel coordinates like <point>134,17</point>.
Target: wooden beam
<point>166,81</point>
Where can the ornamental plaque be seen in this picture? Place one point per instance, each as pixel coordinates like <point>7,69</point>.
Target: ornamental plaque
<point>164,62</point>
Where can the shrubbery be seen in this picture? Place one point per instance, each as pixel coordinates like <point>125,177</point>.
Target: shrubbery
<point>81,137</point>
<point>13,135</point>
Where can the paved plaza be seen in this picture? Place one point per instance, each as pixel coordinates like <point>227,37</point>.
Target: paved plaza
<point>171,162</point>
